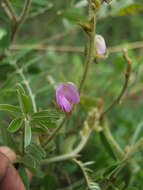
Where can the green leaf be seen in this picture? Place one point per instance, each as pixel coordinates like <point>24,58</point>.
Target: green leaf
<point>27,134</point>
<point>17,56</point>
<point>32,61</point>
<point>34,154</point>
<point>47,118</point>
<point>121,186</point>
<point>110,170</point>
<point>43,89</point>
<point>131,188</point>
<point>37,152</point>
<point>41,122</point>
<point>26,104</point>
<point>29,161</point>
<point>3,32</point>
<point>40,128</point>
<point>131,9</point>
<point>37,172</point>
<point>5,39</point>
<point>20,88</point>
<point>107,146</point>
<point>48,113</point>
<point>88,102</point>
<point>15,125</point>
<point>24,177</point>
<point>40,2</point>
<point>38,149</point>
<point>10,108</point>
<point>137,133</point>
<point>10,82</point>
<point>24,100</point>
<point>74,14</point>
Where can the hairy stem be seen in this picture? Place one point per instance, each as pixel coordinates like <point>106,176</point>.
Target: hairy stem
<point>80,164</point>
<point>115,146</point>
<point>26,82</point>
<point>127,76</point>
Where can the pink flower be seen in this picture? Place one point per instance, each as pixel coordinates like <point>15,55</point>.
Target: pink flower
<point>66,94</point>
<point>100,44</point>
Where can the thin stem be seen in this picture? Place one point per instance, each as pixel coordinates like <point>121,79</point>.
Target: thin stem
<point>127,76</point>
<point>87,61</point>
<point>54,133</point>
<point>29,91</point>
<point>11,10</point>
<point>134,148</point>
<point>21,18</point>
<point>77,49</point>
<point>26,82</point>
<point>89,56</point>
<point>80,164</point>
<point>71,154</point>
<point>115,146</point>
<point>23,149</point>
<point>25,11</point>
<point>136,133</point>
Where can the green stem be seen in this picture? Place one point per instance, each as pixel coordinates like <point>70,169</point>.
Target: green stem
<point>70,155</point>
<point>134,148</point>
<point>25,11</point>
<point>136,133</point>
<point>23,150</point>
<point>88,59</point>
<point>54,133</point>
<point>115,146</point>
<point>89,56</point>
<point>26,82</point>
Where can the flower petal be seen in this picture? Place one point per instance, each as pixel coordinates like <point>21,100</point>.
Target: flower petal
<point>63,103</point>
<point>100,44</point>
<point>66,93</point>
<point>71,93</point>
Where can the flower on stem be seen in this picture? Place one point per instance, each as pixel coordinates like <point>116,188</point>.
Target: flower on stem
<point>100,44</point>
<point>66,94</point>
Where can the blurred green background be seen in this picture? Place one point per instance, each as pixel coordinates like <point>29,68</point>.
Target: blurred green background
<point>49,44</point>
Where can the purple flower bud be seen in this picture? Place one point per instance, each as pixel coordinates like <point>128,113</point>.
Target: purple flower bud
<point>100,44</point>
<point>66,94</point>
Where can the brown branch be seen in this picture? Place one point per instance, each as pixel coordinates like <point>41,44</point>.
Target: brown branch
<point>58,36</point>
<point>127,76</point>
<point>114,49</point>
<point>11,13</point>
<point>20,19</point>
<point>49,47</point>
<point>9,10</point>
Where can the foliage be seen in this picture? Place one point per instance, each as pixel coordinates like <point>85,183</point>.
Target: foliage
<point>45,42</point>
